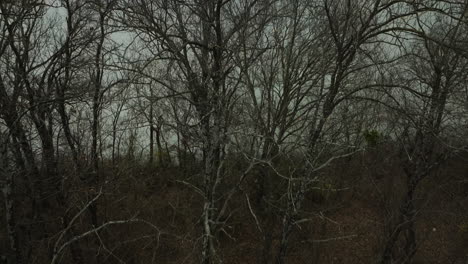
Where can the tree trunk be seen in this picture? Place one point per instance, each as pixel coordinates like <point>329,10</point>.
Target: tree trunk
<point>13,251</point>
<point>151,124</point>
<point>405,226</point>
<point>208,206</point>
<point>160,148</point>
<point>114,138</point>
<point>94,136</point>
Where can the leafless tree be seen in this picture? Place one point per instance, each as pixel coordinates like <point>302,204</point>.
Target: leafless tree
<point>356,31</point>
<point>433,75</point>
<point>200,39</point>
<point>260,99</point>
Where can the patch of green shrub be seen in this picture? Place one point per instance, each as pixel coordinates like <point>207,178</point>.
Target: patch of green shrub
<point>463,227</point>
<point>372,137</point>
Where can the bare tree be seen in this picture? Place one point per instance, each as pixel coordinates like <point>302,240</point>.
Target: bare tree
<point>13,252</point>
<point>264,102</point>
<point>433,75</point>
<point>201,38</point>
<point>355,31</point>
<point>279,83</point>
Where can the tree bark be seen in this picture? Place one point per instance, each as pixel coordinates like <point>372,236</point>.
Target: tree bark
<point>14,251</point>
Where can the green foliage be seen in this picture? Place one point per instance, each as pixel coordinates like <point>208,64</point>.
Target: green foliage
<point>162,158</point>
<point>464,227</point>
<point>372,137</point>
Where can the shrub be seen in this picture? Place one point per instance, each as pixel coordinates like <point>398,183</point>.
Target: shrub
<point>372,137</point>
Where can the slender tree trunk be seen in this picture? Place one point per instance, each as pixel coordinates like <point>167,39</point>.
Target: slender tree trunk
<point>97,97</point>
<point>13,251</point>
<point>405,226</point>
<point>17,131</point>
<point>95,157</point>
<point>160,148</point>
<point>97,103</point>
<point>60,92</point>
<point>295,202</point>
<point>289,218</point>
<point>213,146</point>
<point>264,198</point>
<point>50,181</point>
<point>208,206</point>
<point>114,138</point>
<point>33,185</point>
<point>75,250</point>
<point>267,238</point>
<point>94,136</point>
<point>151,124</point>
<point>169,158</point>
<point>264,181</point>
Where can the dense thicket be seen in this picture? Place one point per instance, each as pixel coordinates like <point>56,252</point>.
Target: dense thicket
<point>237,131</point>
